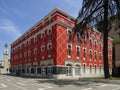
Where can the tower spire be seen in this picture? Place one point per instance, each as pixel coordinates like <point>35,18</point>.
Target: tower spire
<point>6,49</point>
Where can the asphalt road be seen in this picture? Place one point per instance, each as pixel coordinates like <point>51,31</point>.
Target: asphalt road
<point>8,82</point>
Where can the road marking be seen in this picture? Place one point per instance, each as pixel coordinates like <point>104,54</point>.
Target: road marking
<point>40,88</point>
<point>47,86</point>
<point>16,86</point>
<point>87,89</point>
<point>21,83</point>
<point>103,85</point>
<point>8,79</point>
<point>116,89</point>
<point>3,85</point>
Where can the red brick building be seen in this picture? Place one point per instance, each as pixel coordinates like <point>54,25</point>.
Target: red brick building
<point>48,50</point>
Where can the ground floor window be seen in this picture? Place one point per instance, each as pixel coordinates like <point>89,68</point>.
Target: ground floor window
<point>100,69</point>
<point>84,68</point>
<point>95,69</point>
<point>77,70</point>
<point>27,70</point>
<point>43,71</point>
<point>35,70</point>
<point>49,71</point>
<point>90,68</point>
<point>69,70</point>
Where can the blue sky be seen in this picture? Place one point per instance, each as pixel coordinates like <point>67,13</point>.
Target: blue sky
<point>17,16</point>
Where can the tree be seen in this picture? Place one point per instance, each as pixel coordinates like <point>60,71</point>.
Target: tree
<point>96,13</point>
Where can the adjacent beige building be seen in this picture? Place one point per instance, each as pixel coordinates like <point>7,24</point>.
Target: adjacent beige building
<point>117,54</point>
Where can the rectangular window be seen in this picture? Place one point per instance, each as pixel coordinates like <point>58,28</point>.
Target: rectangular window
<point>43,71</point>
<point>49,70</point>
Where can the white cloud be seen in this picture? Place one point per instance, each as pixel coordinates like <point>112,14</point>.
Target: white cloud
<point>8,27</point>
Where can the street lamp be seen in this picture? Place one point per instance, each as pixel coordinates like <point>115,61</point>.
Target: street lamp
<point>0,68</point>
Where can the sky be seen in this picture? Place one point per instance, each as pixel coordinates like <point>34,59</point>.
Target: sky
<point>17,16</point>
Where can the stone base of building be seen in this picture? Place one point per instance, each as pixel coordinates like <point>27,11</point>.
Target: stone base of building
<point>116,72</point>
<point>58,72</point>
<point>4,71</point>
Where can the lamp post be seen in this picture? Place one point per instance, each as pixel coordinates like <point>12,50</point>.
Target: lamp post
<point>0,68</point>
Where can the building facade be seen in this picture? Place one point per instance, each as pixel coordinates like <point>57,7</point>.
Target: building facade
<point>48,49</point>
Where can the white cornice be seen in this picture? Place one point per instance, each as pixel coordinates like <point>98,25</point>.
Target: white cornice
<point>47,16</point>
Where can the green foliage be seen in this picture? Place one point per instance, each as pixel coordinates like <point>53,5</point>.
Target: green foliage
<point>116,41</point>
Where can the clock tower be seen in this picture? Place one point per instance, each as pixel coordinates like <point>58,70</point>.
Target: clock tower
<point>5,56</point>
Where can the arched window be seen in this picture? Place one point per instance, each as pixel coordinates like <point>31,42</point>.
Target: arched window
<point>90,68</point>
<point>35,53</point>
<point>68,69</point>
<point>100,56</point>
<point>43,51</point>
<point>49,49</point>
<point>78,38</point>
<point>84,40</point>
<point>90,43</point>
<point>69,50</point>
<point>84,53</point>
<point>35,42</point>
<point>69,35</point>
<point>95,55</point>
<point>78,52</point>
<point>43,38</point>
<point>49,35</point>
<point>77,70</point>
<point>95,46</point>
<point>90,54</point>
